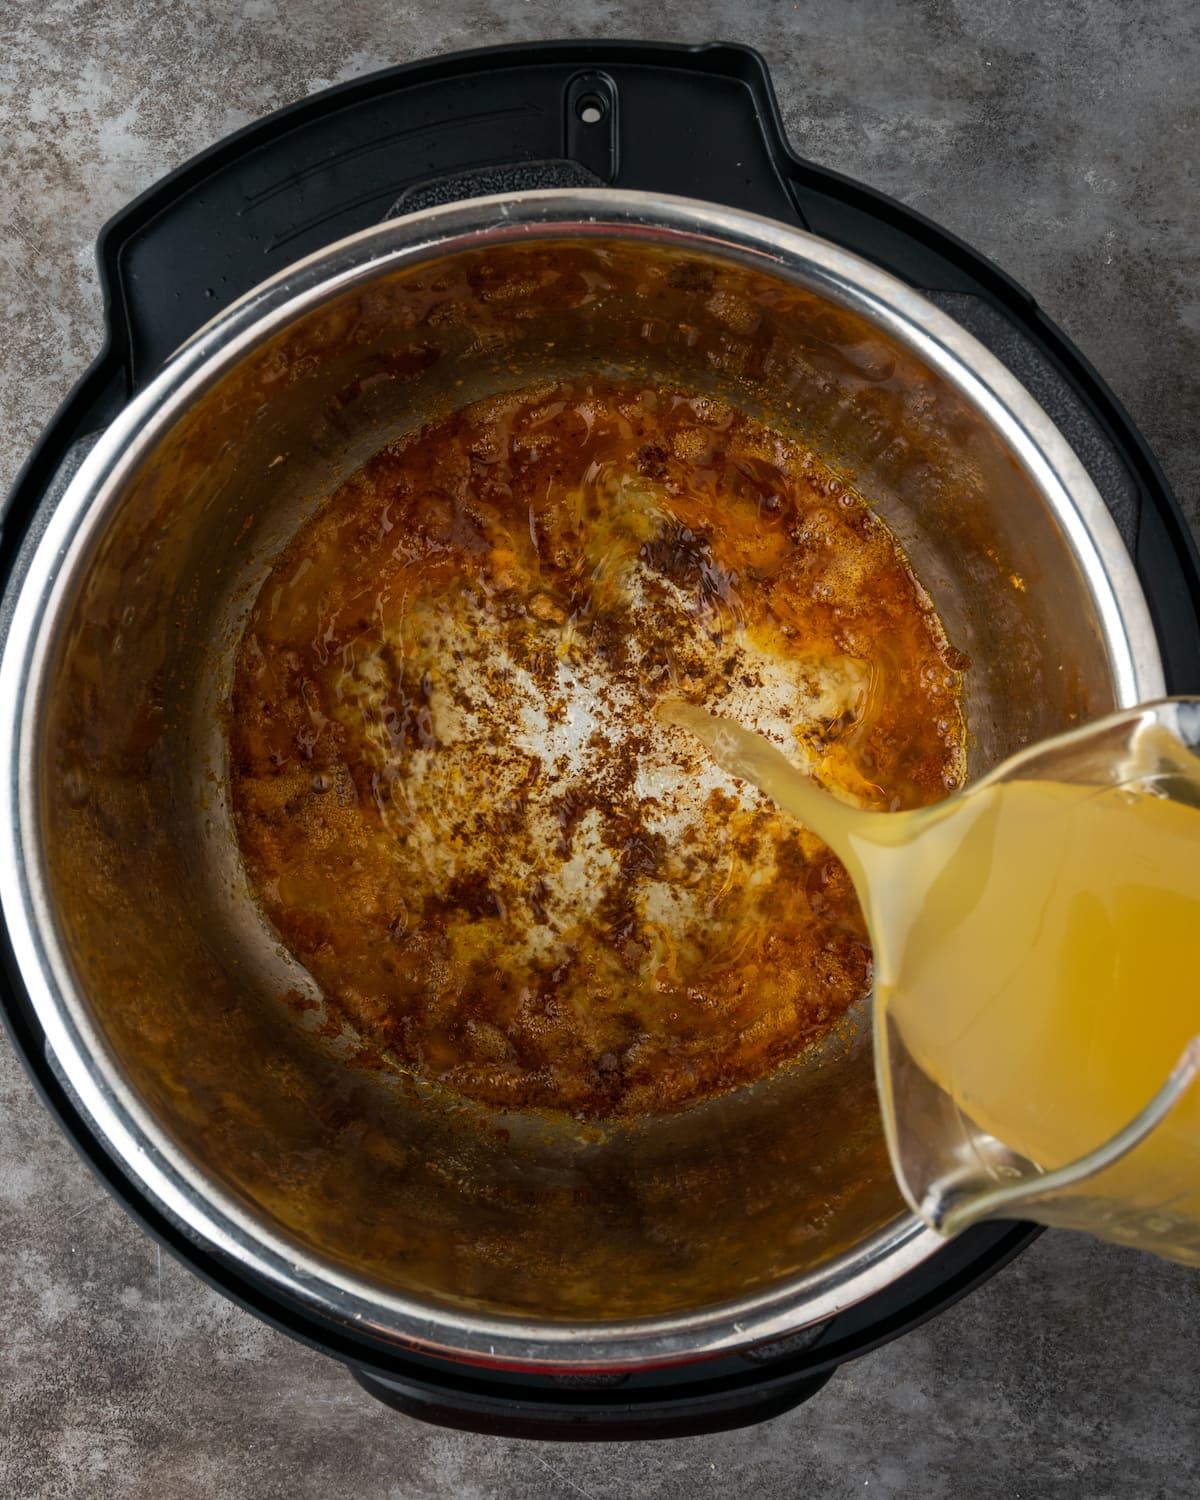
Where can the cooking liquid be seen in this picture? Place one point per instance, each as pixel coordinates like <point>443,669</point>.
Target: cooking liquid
<point>454,800</point>
<point>1037,947</point>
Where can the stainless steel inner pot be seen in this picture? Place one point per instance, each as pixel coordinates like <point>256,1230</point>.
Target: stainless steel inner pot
<point>504,1240</point>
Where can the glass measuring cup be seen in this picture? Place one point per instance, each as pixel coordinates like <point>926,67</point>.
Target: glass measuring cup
<point>1008,1087</point>
<point>1139,1184</point>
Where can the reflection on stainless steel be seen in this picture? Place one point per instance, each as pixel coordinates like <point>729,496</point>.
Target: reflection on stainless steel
<point>505,1238</point>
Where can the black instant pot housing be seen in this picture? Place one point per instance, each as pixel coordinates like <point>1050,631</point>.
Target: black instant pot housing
<point>701,122</point>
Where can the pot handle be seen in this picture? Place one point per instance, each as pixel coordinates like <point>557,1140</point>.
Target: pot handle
<point>570,1413</point>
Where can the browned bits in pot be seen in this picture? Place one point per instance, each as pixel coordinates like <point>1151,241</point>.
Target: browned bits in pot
<point>455,802</point>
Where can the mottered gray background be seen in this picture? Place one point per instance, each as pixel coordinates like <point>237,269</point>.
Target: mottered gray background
<point>1060,140</point>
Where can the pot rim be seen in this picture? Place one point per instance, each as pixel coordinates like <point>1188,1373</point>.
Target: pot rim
<point>116,1115</point>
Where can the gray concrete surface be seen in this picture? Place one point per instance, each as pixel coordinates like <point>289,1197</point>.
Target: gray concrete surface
<point>1060,140</point>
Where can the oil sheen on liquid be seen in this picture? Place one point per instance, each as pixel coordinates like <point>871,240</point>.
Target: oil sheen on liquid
<point>455,803</point>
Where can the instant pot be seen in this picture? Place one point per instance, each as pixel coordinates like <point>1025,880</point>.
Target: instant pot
<point>279,308</point>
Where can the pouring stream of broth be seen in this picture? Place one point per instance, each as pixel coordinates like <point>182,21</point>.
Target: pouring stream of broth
<point>1036,945</point>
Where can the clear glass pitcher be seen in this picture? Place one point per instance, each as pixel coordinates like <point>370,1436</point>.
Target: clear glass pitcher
<point>1140,1183</point>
